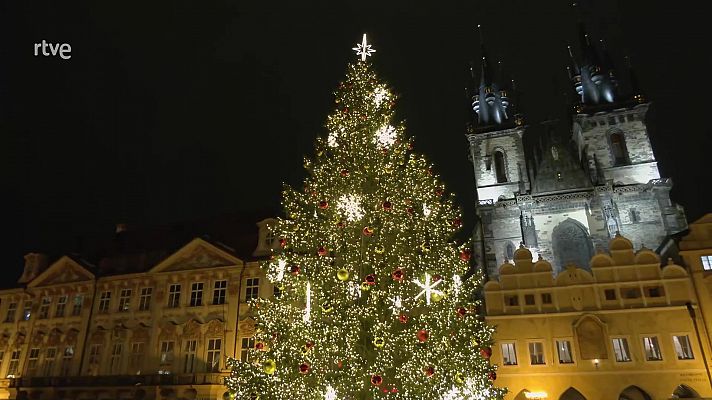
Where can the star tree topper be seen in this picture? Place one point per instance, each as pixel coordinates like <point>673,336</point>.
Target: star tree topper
<point>363,49</point>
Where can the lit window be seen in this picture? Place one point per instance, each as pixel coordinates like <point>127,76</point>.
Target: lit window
<point>682,347</point>
<point>124,300</point>
<point>563,348</point>
<point>706,263</point>
<point>27,310</point>
<point>174,295</point>
<point>620,348</point>
<point>219,292</point>
<point>536,353</point>
<point>253,289</point>
<point>196,294</point>
<point>546,298</point>
<point>77,306</point>
<point>14,365</point>
<point>509,354</point>
<point>11,311</point>
<point>245,346</point>
<point>67,358</point>
<point>529,299</point>
<point>115,361</point>
<point>144,302</point>
<point>32,361</point>
<point>104,302</point>
<point>167,355</point>
<point>136,357</point>
<point>48,362</point>
<point>214,347</point>
<point>61,305</point>
<point>44,308</point>
<point>189,356</point>
<point>652,348</point>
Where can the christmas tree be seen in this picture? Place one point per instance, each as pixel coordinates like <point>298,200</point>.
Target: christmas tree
<point>376,300</point>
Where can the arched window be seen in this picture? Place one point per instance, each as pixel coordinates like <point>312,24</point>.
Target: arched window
<point>618,149</point>
<point>571,245</point>
<point>633,393</point>
<point>499,169</point>
<point>509,253</point>
<point>684,392</point>
<point>571,394</point>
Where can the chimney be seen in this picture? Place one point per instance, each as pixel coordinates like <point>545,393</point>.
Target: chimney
<point>35,264</point>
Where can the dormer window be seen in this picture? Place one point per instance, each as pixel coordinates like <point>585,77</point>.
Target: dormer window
<point>269,238</point>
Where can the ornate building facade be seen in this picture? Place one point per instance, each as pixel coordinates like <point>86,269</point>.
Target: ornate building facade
<point>567,196</point>
<point>139,325</point>
<point>622,328</point>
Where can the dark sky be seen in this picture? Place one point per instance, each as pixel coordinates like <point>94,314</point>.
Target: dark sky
<point>183,110</point>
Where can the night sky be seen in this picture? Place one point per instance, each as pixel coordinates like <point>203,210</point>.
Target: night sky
<point>184,110</point>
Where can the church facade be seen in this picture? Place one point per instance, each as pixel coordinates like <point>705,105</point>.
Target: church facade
<point>566,198</point>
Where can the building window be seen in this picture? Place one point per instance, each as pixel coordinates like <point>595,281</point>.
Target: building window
<point>546,298</point>
<point>529,299</point>
<point>269,237</point>
<point>536,353</point>
<point>14,365</point>
<point>706,263</point>
<point>33,361</point>
<point>44,308</point>
<point>620,348</point>
<point>136,358</point>
<point>77,305</point>
<point>634,215</point>
<point>511,300</point>
<point>67,358</point>
<point>509,354</point>
<point>167,354</point>
<point>27,310</point>
<point>276,291</point>
<point>11,311</point>
<point>61,305</point>
<point>652,348</point>
<point>499,170</point>
<point>115,361</point>
<point>104,302</point>
<point>682,347</point>
<point>655,291</point>
<point>48,362</point>
<point>618,149</point>
<point>174,295</point>
<point>144,302</point>
<point>124,300</point>
<point>563,348</point>
<point>245,346</point>
<point>189,356</point>
<point>94,358</point>
<point>610,294</point>
<point>2,358</point>
<point>214,347</point>
<point>252,289</point>
<point>219,292</point>
<point>631,293</point>
<point>196,294</point>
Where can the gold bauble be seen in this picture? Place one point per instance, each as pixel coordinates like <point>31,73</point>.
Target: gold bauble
<point>342,274</point>
<point>269,367</point>
<point>436,297</point>
<point>379,250</point>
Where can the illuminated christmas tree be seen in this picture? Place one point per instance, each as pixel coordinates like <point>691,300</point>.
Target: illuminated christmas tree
<point>376,300</point>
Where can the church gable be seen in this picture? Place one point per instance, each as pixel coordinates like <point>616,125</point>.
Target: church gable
<point>64,270</point>
<point>196,255</point>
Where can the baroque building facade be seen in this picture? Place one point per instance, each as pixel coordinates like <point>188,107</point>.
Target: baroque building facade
<point>139,325</point>
<point>566,196</point>
<point>622,328</point>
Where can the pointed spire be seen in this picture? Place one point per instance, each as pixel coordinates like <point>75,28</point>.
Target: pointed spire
<point>634,85</point>
<point>486,70</point>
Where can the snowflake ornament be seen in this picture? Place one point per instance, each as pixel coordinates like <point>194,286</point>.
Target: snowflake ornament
<point>350,206</point>
<point>426,211</point>
<point>385,136</point>
<point>396,304</point>
<point>330,393</point>
<point>380,95</point>
<point>428,288</point>
<point>331,140</point>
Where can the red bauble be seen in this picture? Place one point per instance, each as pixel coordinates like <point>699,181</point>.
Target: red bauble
<point>322,251</point>
<point>340,364</point>
<point>368,231</point>
<point>309,345</point>
<point>387,206</point>
<point>376,380</point>
<point>282,242</point>
<point>259,345</point>
<point>384,390</point>
<point>397,275</point>
<point>439,191</point>
<point>465,255</point>
<point>429,371</point>
<point>403,319</point>
<point>437,277</point>
<point>345,110</point>
<point>492,376</point>
<point>304,368</point>
<point>486,352</point>
<point>323,204</point>
<point>344,172</point>
<point>394,390</point>
<point>294,269</point>
<point>410,146</point>
<point>457,222</point>
<point>423,335</point>
<point>370,279</point>
<point>410,210</point>
<point>340,224</point>
<point>461,311</point>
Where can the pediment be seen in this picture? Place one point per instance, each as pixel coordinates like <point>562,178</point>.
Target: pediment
<point>197,254</point>
<point>65,270</point>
